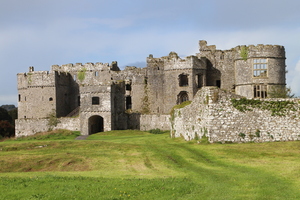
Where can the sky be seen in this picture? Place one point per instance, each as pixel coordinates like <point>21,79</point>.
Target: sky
<point>42,33</point>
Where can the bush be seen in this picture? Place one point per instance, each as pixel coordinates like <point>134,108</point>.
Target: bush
<point>6,129</point>
<point>156,131</point>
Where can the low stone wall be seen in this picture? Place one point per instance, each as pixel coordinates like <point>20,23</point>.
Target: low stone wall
<point>148,122</point>
<point>213,115</point>
<point>26,127</point>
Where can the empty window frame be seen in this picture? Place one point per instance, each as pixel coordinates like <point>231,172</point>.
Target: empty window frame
<point>260,67</point>
<point>128,102</point>
<point>183,80</point>
<point>260,91</point>
<point>182,97</point>
<point>128,87</point>
<point>95,101</point>
<point>96,73</point>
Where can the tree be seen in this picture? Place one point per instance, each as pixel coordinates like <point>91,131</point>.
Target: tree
<point>6,129</point>
<point>4,116</point>
<point>280,92</point>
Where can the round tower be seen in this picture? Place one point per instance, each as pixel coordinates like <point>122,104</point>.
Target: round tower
<point>259,70</point>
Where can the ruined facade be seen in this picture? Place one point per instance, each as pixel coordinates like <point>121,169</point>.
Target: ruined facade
<point>95,97</point>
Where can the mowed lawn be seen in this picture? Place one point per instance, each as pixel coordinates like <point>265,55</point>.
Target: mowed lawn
<point>139,165</point>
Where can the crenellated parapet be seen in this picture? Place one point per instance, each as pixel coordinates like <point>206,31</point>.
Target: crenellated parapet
<point>87,66</point>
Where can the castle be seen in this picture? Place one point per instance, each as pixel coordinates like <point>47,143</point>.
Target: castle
<point>95,97</point>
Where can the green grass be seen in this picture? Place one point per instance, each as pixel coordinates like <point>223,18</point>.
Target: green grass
<point>140,165</point>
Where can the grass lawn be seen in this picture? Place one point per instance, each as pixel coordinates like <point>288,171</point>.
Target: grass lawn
<point>139,165</point>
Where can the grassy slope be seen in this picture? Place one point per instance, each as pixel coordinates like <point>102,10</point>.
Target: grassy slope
<point>139,165</point>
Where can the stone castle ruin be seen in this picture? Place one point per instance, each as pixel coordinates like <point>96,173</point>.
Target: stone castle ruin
<point>95,97</point>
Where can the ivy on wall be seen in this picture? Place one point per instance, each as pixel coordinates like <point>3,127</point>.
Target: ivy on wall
<point>279,108</point>
<point>244,53</point>
<point>81,74</point>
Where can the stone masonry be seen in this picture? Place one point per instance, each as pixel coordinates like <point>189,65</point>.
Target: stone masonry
<point>212,114</point>
<point>95,97</point>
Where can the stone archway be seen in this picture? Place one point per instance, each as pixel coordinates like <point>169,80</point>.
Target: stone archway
<point>96,124</point>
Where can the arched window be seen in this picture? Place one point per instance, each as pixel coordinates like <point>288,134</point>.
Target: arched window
<point>182,97</point>
<point>95,101</point>
<point>183,80</point>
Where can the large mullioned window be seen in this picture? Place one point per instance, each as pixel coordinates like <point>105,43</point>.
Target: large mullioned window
<point>260,67</point>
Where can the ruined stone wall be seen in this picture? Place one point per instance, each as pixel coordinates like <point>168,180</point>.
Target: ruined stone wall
<point>27,127</point>
<point>135,78</point>
<point>221,122</point>
<point>148,122</point>
<point>164,87</point>
<point>220,66</point>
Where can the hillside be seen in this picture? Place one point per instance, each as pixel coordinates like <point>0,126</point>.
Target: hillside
<point>140,165</point>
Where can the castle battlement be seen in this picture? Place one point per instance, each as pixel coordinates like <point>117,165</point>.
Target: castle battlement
<point>87,66</point>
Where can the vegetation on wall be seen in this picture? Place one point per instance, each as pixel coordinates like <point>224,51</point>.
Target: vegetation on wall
<point>279,108</point>
<point>81,74</point>
<point>145,105</point>
<point>182,105</point>
<point>244,53</point>
<point>52,120</point>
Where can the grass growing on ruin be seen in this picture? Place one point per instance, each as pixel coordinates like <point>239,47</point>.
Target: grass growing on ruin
<point>140,165</point>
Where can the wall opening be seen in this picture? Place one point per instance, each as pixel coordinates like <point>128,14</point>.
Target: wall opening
<point>78,100</point>
<point>50,99</point>
<point>182,97</point>
<point>128,102</point>
<point>183,80</point>
<point>128,87</point>
<point>95,101</point>
<point>260,91</point>
<point>96,123</point>
<point>19,97</point>
<point>218,83</point>
<point>199,78</point>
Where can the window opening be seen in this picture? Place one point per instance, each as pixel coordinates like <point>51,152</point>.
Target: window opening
<point>182,97</point>
<point>78,100</point>
<point>128,87</point>
<point>199,80</point>
<point>128,102</point>
<point>260,67</point>
<point>218,83</point>
<point>260,91</point>
<point>50,99</point>
<point>95,101</point>
<point>19,97</point>
<point>96,73</point>
<point>74,77</point>
<point>183,80</point>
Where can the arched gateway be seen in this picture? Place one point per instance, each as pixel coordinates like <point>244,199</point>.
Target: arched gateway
<point>95,124</point>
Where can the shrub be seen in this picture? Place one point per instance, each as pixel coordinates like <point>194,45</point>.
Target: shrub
<point>156,131</point>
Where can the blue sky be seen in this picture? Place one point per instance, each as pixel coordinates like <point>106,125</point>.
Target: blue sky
<point>42,33</point>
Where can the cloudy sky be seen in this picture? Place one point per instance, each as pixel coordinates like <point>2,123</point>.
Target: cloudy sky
<point>41,33</point>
